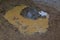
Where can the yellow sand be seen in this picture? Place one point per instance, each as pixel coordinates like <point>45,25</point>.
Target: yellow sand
<point>38,25</point>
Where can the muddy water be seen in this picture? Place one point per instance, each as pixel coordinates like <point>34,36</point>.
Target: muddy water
<point>24,25</point>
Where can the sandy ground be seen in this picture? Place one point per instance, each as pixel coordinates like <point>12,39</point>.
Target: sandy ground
<point>12,33</point>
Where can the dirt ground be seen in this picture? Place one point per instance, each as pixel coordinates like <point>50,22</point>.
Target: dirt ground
<point>8,32</point>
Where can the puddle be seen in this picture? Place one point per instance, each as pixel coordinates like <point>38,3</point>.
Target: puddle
<point>24,25</point>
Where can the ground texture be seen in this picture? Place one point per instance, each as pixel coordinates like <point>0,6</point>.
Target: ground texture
<point>8,32</point>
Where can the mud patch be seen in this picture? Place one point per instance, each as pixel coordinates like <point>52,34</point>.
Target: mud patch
<point>24,25</point>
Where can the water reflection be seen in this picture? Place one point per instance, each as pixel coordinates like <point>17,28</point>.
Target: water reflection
<point>33,13</point>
